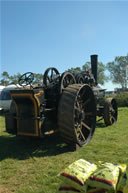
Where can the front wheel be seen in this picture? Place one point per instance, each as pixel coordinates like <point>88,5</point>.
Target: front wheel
<point>77,114</point>
<point>110,111</point>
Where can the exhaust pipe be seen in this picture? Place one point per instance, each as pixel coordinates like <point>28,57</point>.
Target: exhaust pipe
<point>94,62</point>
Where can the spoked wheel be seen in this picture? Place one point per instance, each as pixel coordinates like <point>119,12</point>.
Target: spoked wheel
<point>77,114</point>
<point>26,79</point>
<point>110,111</point>
<point>79,79</point>
<point>51,75</point>
<point>66,79</point>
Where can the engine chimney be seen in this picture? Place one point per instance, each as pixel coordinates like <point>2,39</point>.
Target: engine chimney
<point>94,59</point>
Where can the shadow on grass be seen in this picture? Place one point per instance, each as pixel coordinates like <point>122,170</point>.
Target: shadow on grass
<point>2,113</point>
<point>24,148</point>
<point>100,124</point>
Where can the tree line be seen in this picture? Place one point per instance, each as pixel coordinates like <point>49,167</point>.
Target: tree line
<point>118,70</point>
<point>6,79</point>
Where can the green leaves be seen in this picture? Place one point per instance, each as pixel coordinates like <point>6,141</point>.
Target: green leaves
<point>117,69</point>
<point>6,79</point>
<point>102,78</point>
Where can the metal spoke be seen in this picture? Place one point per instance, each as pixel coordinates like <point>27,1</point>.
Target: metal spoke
<point>78,105</point>
<point>86,102</point>
<point>30,76</point>
<point>79,129</point>
<point>48,78</point>
<point>85,125</point>
<point>51,72</point>
<point>51,75</point>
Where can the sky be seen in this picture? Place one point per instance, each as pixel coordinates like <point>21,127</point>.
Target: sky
<point>35,35</point>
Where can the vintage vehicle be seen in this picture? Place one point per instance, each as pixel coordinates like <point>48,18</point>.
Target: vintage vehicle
<point>64,103</point>
<point>5,97</point>
<point>1,88</point>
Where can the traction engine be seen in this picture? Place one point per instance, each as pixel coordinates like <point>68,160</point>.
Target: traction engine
<point>66,103</point>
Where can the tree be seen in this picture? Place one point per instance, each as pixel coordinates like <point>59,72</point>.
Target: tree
<point>102,78</point>
<point>38,78</point>
<point>4,82</point>
<point>117,69</point>
<point>4,79</point>
<point>14,79</point>
<point>77,69</point>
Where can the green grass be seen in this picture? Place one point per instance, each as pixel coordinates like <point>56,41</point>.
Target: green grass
<point>32,166</point>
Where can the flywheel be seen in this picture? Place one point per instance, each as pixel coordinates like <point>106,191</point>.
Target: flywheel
<point>77,114</point>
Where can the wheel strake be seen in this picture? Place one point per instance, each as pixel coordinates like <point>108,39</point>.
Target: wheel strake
<point>77,114</point>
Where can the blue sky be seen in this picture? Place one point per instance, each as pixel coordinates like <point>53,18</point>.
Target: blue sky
<point>36,35</point>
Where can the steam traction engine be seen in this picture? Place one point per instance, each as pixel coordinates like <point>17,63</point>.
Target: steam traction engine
<point>67,103</point>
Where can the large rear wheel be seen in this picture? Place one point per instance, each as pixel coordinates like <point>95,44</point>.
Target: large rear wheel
<point>77,114</point>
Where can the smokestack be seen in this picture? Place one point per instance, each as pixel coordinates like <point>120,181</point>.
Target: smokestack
<point>94,62</point>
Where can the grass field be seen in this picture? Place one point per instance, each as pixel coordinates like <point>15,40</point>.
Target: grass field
<point>32,166</point>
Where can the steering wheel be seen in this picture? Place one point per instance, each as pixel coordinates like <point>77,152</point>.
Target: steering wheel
<point>26,79</point>
<point>51,75</point>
